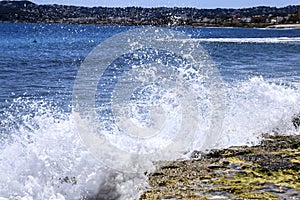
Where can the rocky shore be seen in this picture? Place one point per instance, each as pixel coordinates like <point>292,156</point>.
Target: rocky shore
<point>270,170</point>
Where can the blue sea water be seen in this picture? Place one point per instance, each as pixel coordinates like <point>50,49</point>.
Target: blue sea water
<point>38,67</point>
<point>47,68</point>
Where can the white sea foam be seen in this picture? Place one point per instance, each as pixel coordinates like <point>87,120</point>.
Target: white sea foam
<point>257,106</point>
<point>45,159</point>
<point>241,40</point>
<point>45,148</point>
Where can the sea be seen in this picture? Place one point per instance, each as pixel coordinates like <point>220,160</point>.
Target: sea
<point>245,83</point>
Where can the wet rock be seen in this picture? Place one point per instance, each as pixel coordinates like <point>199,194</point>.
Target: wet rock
<point>296,121</point>
<point>270,170</point>
<point>196,155</point>
<point>170,197</point>
<point>214,166</point>
<point>156,174</point>
<point>273,162</point>
<point>170,167</point>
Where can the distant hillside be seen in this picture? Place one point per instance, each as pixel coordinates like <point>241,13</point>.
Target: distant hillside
<point>28,12</point>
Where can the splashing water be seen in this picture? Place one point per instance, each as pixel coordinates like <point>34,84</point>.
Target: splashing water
<point>43,157</point>
<point>255,107</point>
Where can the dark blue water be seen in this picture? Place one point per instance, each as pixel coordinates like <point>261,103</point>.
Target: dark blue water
<point>47,67</point>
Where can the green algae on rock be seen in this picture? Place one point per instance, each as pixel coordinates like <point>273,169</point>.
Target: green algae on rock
<point>270,170</point>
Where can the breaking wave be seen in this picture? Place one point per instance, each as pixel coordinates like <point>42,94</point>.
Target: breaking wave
<point>243,40</point>
<point>42,156</point>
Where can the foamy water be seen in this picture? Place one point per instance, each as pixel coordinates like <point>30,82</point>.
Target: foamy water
<point>44,159</point>
<point>44,147</point>
<point>241,40</point>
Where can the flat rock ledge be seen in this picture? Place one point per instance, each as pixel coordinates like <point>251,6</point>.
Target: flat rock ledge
<point>270,170</point>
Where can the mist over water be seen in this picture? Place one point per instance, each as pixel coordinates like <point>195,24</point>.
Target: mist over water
<point>41,153</point>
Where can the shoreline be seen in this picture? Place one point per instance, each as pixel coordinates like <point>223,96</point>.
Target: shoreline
<point>265,26</point>
<point>270,170</point>
<point>285,26</point>
<point>251,17</point>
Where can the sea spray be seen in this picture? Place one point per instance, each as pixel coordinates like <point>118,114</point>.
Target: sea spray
<point>44,158</point>
<point>258,106</point>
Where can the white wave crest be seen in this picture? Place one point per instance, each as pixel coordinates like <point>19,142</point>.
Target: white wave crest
<point>44,158</point>
<point>241,40</point>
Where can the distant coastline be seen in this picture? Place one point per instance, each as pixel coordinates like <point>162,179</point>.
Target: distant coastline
<point>256,17</point>
<point>294,26</point>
